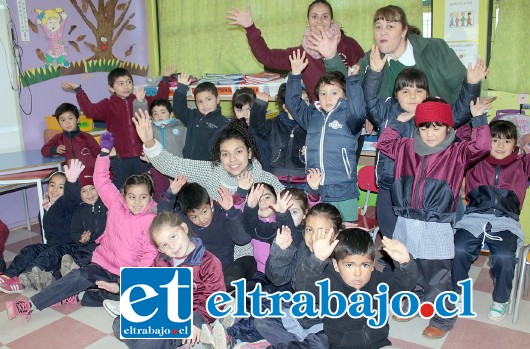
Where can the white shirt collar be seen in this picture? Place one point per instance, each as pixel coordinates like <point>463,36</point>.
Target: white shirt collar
<point>407,58</point>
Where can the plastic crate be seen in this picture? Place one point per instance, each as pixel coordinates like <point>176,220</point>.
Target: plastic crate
<point>85,124</point>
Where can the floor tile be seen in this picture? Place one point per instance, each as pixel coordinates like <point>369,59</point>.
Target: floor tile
<point>107,342</point>
<point>96,317</point>
<point>475,334</point>
<point>21,327</point>
<point>59,335</point>
<point>411,332</point>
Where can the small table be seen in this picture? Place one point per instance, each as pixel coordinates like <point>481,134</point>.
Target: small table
<point>20,170</point>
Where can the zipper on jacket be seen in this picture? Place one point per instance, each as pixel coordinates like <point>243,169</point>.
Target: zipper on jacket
<point>72,145</point>
<point>422,173</point>
<point>321,144</point>
<point>377,152</point>
<point>289,154</point>
<point>346,162</point>
<point>495,189</point>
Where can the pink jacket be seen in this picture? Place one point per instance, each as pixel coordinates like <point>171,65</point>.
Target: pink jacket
<point>125,241</point>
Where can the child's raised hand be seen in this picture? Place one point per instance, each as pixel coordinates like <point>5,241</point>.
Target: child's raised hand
<point>194,339</point>
<point>177,183</point>
<point>111,287</point>
<point>524,143</point>
<point>322,245</point>
<point>140,93</point>
<point>476,74</point>
<point>244,180</point>
<point>144,127</point>
<point>396,250</point>
<point>184,78</point>
<point>283,203</point>
<point>106,141</point>
<point>368,127</point>
<point>170,70</point>
<point>255,194</point>
<point>68,87</point>
<point>313,178</point>
<point>322,44</point>
<point>225,198</point>
<point>283,238</point>
<point>61,149</point>
<point>85,237</point>
<point>479,108</point>
<point>376,62</point>
<point>73,170</point>
<point>354,70</point>
<point>240,17</point>
<point>263,96</point>
<point>405,116</point>
<point>298,62</point>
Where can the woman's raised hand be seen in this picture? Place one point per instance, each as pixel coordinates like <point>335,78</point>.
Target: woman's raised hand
<point>240,17</point>
<point>144,127</point>
<point>298,62</point>
<point>475,74</point>
<point>322,44</point>
<point>376,62</point>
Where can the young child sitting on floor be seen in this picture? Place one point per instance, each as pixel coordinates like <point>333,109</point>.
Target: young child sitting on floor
<point>217,223</point>
<point>179,248</point>
<point>352,269</point>
<point>124,243</point>
<point>41,259</point>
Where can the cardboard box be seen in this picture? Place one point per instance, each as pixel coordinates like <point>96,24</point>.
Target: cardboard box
<point>85,124</point>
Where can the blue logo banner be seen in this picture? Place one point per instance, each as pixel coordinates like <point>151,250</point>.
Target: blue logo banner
<point>156,303</point>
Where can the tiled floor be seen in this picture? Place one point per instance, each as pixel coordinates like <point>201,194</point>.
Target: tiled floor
<point>73,326</point>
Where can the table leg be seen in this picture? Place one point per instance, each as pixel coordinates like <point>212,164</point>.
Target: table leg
<point>26,208</point>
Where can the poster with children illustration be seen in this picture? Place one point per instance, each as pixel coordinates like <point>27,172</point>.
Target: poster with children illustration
<point>83,36</point>
<point>461,20</point>
<point>461,28</point>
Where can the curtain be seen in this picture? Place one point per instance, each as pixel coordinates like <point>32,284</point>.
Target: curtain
<point>510,52</point>
<point>194,34</point>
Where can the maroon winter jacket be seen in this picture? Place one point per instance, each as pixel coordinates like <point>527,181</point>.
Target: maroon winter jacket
<point>425,187</point>
<point>498,186</point>
<point>348,49</point>
<point>208,275</point>
<point>117,114</point>
<point>79,145</point>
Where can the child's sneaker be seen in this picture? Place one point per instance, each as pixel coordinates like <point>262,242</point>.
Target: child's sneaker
<point>229,320</point>
<point>43,278</point>
<point>70,300</point>
<point>497,311</point>
<point>112,307</point>
<point>21,306</point>
<point>262,344</point>
<point>68,264</point>
<point>28,280</point>
<point>220,338</point>
<point>207,340</point>
<point>4,278</point>
<point>12,285</point>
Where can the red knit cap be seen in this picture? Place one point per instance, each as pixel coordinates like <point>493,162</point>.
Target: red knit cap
<point>85,180</point>
<point>434,112</point>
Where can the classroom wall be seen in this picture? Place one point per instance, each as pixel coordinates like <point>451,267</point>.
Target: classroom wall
<point>42,98</point>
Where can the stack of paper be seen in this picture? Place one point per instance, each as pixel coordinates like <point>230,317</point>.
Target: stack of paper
<point>260,78</point>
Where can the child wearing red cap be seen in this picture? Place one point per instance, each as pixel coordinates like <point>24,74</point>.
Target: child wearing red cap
<point>428,172</point>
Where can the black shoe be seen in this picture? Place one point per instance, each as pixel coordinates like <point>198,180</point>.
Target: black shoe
<point>2,265</point>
